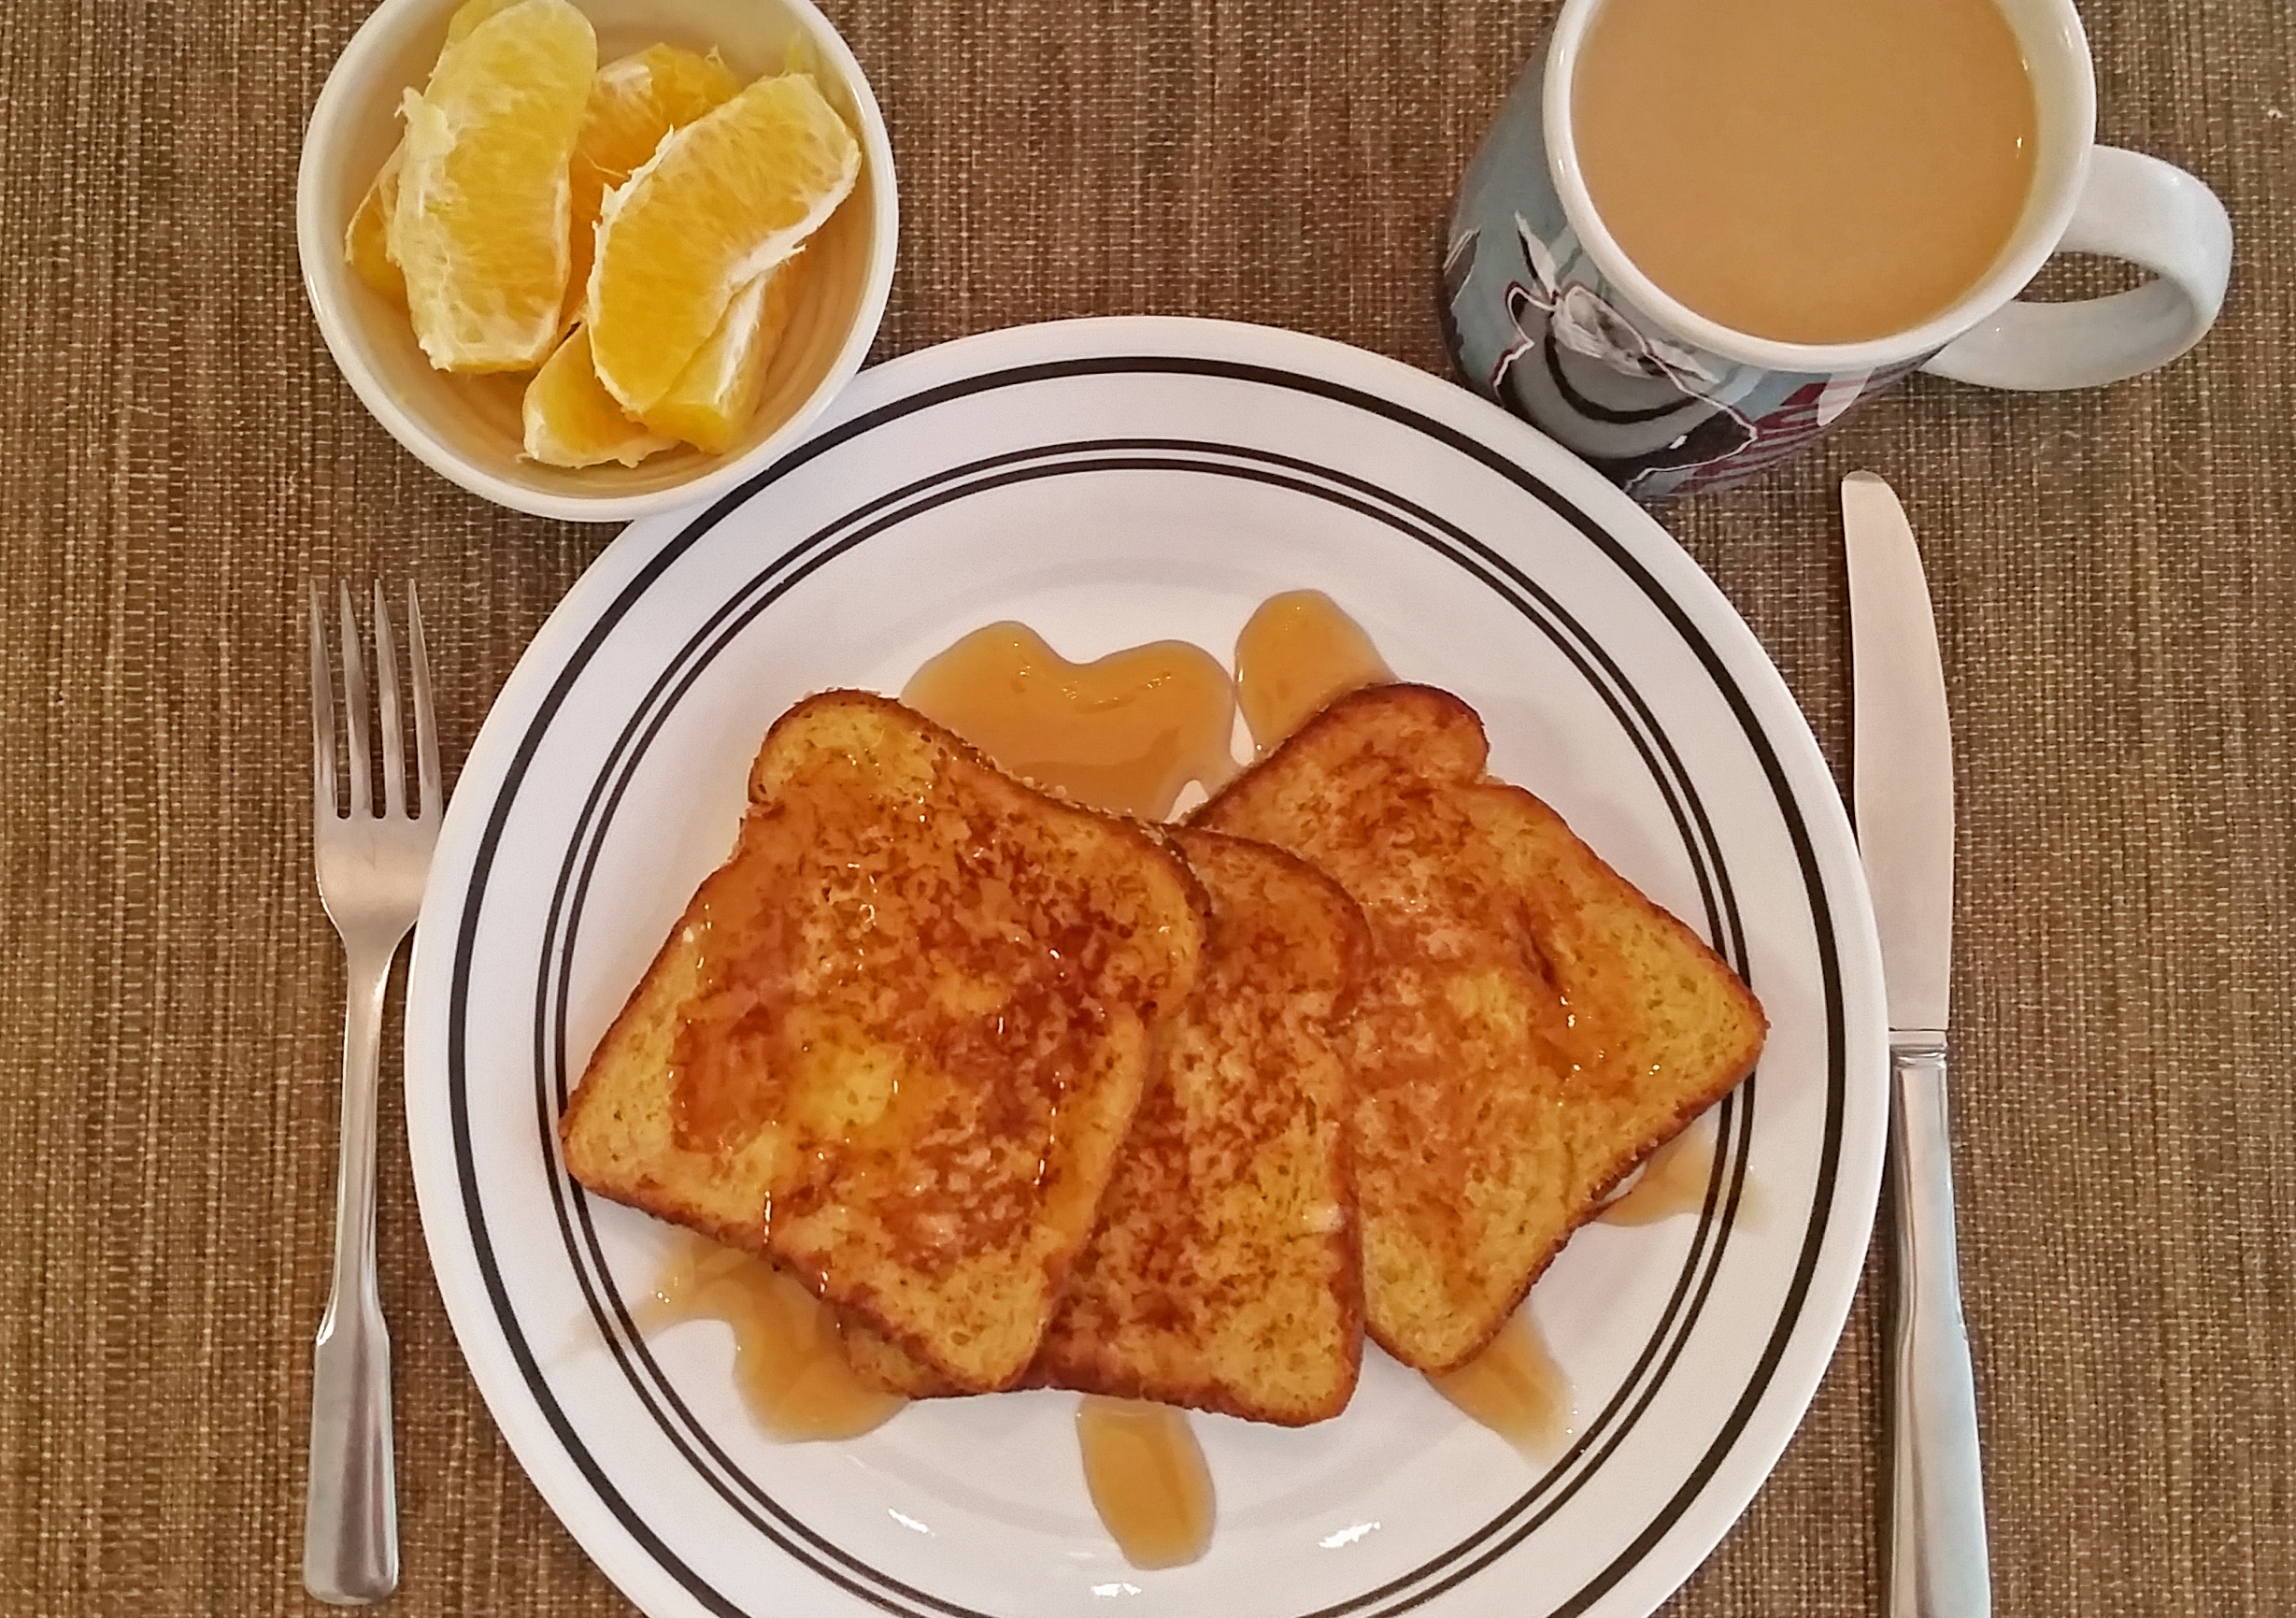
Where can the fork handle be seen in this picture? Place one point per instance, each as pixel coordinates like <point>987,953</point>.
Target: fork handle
<point>351,1530</point>
<point>1938,1565</point>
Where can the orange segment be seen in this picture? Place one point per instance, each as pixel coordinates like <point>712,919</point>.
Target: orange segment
<point>634,102</point>
<point>571,421</point>
<point>366,244</point>
<point>721,202</point>
<point>717,394</point>
<point>479,229</point>
<point>469,15</point>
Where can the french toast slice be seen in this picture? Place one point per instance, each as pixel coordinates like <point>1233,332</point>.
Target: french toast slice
<point>896,1040</point>
<point>1224,1273</point>
<point>1532,1028</point>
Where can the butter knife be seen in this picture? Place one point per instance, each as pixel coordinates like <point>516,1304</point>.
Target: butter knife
<point>1903,788</point>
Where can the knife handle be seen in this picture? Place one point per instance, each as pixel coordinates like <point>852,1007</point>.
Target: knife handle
<point>1937,1557</point>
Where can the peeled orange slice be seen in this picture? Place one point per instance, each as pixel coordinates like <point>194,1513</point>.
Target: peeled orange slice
<point>468,15</point>
<point>366,244</point>
<point>571,421</point>
<point>718,392</point>
<point>634,102</point>
<point>721,202</point>
<point>479,228</point>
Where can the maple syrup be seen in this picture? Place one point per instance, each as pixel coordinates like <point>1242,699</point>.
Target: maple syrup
<point>788,1363</point>
<point>1125,733</point>
<point>1673,1180</point>
<point>1299,653</point>
<point>1515,1388</point>
<point>1147,1479</point>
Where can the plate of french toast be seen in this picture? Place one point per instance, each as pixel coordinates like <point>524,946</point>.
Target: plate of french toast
<point>1175,969</point>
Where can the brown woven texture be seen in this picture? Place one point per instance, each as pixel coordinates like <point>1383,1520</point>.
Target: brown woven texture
<point>2115,588</point>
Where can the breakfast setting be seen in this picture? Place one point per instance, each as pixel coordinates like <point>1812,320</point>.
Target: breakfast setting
<point>1264,809</point>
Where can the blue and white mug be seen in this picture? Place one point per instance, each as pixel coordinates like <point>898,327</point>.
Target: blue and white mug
<point>1547,316</point>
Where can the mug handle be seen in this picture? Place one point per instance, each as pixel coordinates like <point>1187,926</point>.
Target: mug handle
<point>2131,207</point>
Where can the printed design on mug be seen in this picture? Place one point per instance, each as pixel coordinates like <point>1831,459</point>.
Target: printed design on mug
<point>1579,319</point>
<point>1658,417</point>
<point>1638,405</point>
<point>1799,418</point>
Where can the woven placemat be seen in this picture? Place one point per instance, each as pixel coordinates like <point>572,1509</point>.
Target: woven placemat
<point>2114,589</point>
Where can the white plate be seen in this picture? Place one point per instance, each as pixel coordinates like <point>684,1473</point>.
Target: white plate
<point>1110,482</point>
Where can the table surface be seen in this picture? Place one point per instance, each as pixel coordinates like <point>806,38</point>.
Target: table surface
<point>2114,592</point>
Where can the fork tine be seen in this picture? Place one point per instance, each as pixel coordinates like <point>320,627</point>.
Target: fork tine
<point>387,691</point>
<point>322,714</point>
<point>354,704</point>
<point>426,724</point>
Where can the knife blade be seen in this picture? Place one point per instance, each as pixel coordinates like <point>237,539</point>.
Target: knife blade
<point>1903,759</point>
<point>1902,764</point>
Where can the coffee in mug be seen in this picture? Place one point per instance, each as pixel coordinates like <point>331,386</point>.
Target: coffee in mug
<point>1817,171</point>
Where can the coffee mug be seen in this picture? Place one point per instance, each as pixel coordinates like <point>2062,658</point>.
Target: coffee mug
<point>1546,315</point>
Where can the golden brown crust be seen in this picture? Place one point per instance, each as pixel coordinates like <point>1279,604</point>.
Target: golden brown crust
<point>1197,1290</point>
<point>1225,1274</point>
<point>1446,729</point>
<point>888,1368</point>
<point>895,1042</point>
<point>615,1135</point>
<point>1534,1027</point>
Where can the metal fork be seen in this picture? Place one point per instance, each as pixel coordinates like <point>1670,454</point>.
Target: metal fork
<point>371,869</point>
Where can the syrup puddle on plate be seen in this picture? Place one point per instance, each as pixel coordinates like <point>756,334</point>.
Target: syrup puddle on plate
<point>1515,1388</point>
<point>1297,655</point>
<point>1123,734</point>
<point>1141,1464</point>
<point>1147,1480</point>
<point>1130,732</point>
<point>787,1362</point>
<point>1674,1181</point>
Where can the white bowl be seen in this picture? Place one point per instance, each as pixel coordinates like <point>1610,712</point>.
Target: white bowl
<point>466,428</point>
